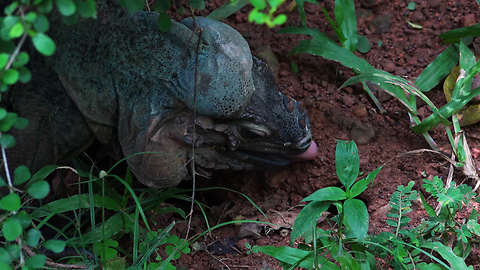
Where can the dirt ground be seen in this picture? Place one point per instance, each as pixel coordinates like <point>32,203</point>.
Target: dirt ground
<point>337,114</point>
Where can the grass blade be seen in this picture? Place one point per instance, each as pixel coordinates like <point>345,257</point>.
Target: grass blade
<point>438,69</point>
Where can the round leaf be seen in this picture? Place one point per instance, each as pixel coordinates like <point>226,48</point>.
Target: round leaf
<point>16,31</point>
<point>39,190</point>
<point>25,75</point>
<point>33,237</point>
<point>41,24</point>
<point>21,175</point>
<point>44,44</point>
<point>37,261</point>
<point>5,266</point>
<point>4,257</point>
<point>280,19</point>
<point>164,22</point>
<point>56,246</point>
<point>135,5</point>
<point>31,17</point>
<point>11,76</point>
<point>20,123</point>
<point>66,7</point>
<point>258,4</point>
<point>86,9</point>
<point>11,229</point>
<point>7,141</point>
<point>3,60</point>
<point>21,59</point>
<point>11,202</point>
<point>3,113</point>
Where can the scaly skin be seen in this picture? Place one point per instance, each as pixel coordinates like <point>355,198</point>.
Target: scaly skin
<point>119,80</point>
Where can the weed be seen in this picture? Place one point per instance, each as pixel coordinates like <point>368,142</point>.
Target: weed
<point>347,242</point>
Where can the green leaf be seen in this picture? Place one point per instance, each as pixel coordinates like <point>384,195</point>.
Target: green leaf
<point>307,219</point>
<point>20,123</point>
<point>11,229</point>
<point>347,162</point>
<point>7,141</point>
<point>227,9</point>
<point>356,218</point>
<point>326,194</point>
<point>3,113</point>
<point>56,246</point>
<point>430,210</point>
<point>363,45</point>
<point>280,19</point>
<point>21,175</point>
<point>4,59</point>
<point>11,202</point>
<point>41,24</point>
<point>347,22</point>
<point>162,6</point>
<point>4,257</point>
<point>454,36</point>
<point>25,75</point>
<point>11,8</point>
<point>134,5</point>
<point>298,257</point>
<point>43,173</point>
<point>45,6</point>
<point>438,69</point>
<point>33,237</point>
<point>411,5</point>
<point>16,31</point>
<point>7,122</point>
<point>39,189</point>
<point>66,7</point>
<point>197,4</point>
<point>86,8</point>
<point>259,4</point>
<point>37,261</point>
<point>358,188</point>
<point>31,17</point>
<point>455,262</point>
<point>164,22</point>
<point>44,44</point>
<point>10,76</point>
<point>21,60</point>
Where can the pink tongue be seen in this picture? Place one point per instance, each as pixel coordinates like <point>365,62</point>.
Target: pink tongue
<point>310,154</point>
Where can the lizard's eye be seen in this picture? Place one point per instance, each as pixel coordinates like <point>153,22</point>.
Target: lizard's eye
<point>251,133</point>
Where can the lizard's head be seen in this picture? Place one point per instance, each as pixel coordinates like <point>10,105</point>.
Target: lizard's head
<point>241,119</point>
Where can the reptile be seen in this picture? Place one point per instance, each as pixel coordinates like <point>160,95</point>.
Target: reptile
<point>119,80</point>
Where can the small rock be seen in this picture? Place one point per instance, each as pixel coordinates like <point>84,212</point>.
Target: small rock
<point>401,71</point>
<point>468,20</point>
<point>308,87</point>
<point>331,88</point>
<point>428,24</point>
<point>362,133</point>
<point>433,3</point>
<point>241,244</point>
<point>417,16</point>
<point>348,101</point>
<point>360,110</point>
<point>266,54</point>
<point>251,230</point>
<point>362,13</point>
<point>370,3</point>
<point>283,73</point>
<point>388,66</point>
<point>381,24</point>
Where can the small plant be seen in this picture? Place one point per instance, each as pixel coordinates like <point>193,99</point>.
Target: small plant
<point>347,244</point>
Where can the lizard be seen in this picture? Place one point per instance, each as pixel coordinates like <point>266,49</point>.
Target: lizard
<point>118,79</point>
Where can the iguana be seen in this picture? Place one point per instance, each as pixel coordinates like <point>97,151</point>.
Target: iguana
<point>120,80</point>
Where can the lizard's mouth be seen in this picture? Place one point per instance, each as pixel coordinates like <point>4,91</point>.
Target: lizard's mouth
<point>266,159</point>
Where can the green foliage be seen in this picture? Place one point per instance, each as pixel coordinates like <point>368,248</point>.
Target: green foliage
<point>348,244</point>
<point>263,12</point>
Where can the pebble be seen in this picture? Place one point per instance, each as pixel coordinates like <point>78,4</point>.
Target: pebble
<point>388,65</point>
<point>433,3</point>
<point>381,24</point>
<point>360,110</point>
<point>417,16</point>
<point>401,71</point>
<point>468,20</point>
<point>362,133</point>
<point>331,88</point>
<point>348,100</point>
<point>284,73</point>
<point>370,3</point>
